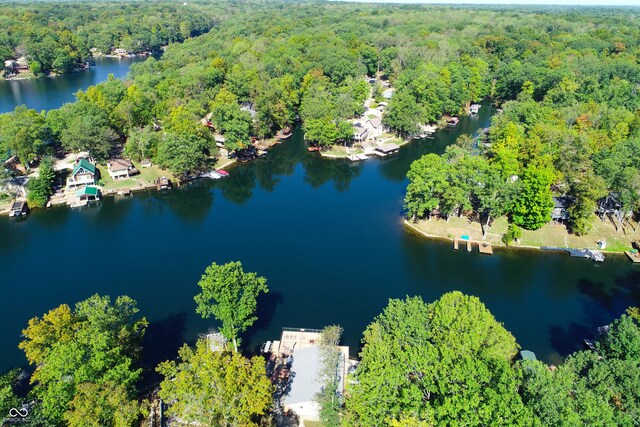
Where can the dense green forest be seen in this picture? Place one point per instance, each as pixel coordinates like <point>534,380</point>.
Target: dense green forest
<point>60,37</point>
<point>566,79</point>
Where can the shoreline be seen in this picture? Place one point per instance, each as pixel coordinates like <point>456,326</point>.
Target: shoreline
<point>495,245</point>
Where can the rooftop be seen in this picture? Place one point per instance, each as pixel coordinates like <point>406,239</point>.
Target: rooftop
<point>87,191</point>
<point>84,164</point>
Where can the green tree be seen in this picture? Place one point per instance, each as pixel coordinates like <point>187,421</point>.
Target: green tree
<point>532,206</point>
<point>8,398</point>
<point>96,343</point>
<point>41,187</point>
<point>102,405</point>
<point>427,181</point>
<point>230,295</point>
<point>215,388</point>
<point>449,361</point>
<point>24,133</point>
<point>182,155</point>
<point>329,402</point>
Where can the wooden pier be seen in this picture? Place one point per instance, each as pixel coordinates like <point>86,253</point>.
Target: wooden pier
<point>633,256</point>
<point>483,247</point>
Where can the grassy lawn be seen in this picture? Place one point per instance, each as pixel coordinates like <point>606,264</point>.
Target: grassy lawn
<point>5,202</point>
<point>341,151</point>
<point>548,235</point>
<point>146,176</point>
<point>313,424</point>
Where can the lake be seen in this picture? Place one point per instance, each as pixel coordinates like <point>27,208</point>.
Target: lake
<point>327,234</point>
<point>51,92</point>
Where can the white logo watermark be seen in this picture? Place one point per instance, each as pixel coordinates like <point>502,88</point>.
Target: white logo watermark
<point>18,413</point>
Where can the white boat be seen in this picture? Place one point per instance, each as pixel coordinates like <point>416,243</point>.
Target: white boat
<point>211,174</point>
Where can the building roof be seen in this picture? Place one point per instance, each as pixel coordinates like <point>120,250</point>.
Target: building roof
<point>87,191</point>
<point>360,131</point>
<point>561,202</point>
<point>84,164</point>
<point>376,122</point>
<point>388,148</point>
<point>18,206</point>
<point>304,370</point>
<point>119,165</point>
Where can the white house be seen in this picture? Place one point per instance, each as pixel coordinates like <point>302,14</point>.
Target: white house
<point>306,370</point>
<point>121,169</point>
<point>375,127</point>
<point>84,173</point>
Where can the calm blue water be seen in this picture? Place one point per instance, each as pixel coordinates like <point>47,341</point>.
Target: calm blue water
<point>51,92</point>
<point>328,236</point>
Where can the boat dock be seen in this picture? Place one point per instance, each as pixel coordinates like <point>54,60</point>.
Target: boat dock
<point>483,247</point>
<point>357,157</point>
<point>634,256</point>
<point>578,253</point>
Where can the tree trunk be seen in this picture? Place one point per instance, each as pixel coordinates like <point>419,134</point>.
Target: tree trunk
<point>485,230</point>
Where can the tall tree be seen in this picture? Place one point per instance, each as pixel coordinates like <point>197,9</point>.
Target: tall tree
<point>230,295</point>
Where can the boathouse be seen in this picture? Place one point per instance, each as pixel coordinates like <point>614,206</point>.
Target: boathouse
<point>121,169</point>
<point>18,208</point>
<point>88,193</point>
<point>387,149</point>
<point>84,173</point>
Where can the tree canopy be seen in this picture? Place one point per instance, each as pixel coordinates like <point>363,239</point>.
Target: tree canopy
<point>230,295</point>
<point>215,388</point>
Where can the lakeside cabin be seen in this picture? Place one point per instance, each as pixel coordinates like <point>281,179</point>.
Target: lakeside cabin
<point>18,209</point>
<point>84,173</point>
<point>560,208</point>
<point>452,122</point>
<point>474,109</point>
<point>121,169</point>
<point>360,133</point>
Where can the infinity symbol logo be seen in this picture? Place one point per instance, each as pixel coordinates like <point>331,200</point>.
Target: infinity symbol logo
<point>22,412</point>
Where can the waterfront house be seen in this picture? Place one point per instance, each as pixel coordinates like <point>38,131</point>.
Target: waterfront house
<point>121,169</point>
<point>375,127</point>
<point>360,133</point>
<point>84,173</point>
<point>560,206</point>
<point>474,108</point>
<point>18,208</point>
<point>611,205</point>
<point>22,64</point>
<point>88,193</point>
<point>302,349</point>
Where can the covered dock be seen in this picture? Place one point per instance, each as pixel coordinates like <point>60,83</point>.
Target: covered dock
<point>386,149</point>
